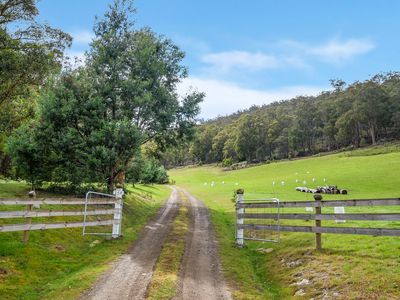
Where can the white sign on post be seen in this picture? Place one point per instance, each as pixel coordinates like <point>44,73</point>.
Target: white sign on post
<point>339,210</point>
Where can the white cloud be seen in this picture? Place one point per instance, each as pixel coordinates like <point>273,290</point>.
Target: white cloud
<point>223,97</point>
<point>339,51</point>
<point>227,61</point>
<point>334,51</point>
<point>294,54</point>
<point>82,37</point>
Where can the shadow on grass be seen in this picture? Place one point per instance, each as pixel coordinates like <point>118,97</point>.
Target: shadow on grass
<point>264,276</point>
<point>149,186</point>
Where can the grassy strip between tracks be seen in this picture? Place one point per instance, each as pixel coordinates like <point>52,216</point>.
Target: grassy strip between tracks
<point>165,277</point>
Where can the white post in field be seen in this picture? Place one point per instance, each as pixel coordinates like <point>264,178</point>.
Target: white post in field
<point>116,230</point>
<point>240,220</point>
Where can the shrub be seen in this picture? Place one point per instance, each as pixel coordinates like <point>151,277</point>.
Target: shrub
<point>153,172</point>
<point>227,162</point>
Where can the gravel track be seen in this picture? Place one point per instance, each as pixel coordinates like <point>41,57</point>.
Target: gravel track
<point>131,274</point>
<point>200,276</point>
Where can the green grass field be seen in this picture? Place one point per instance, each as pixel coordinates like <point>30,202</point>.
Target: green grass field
<point>60,263</point>
<point>349,267</point>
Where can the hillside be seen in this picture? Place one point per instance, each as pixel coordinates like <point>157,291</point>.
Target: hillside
<point>349,267</point>
<point>349,116</point>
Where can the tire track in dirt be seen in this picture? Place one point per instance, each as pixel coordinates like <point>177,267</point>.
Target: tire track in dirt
<point>201,277</point>
<point>131,274</point>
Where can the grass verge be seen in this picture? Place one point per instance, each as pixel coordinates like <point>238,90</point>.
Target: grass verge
<point>61,263</point>
<point>165,277</point>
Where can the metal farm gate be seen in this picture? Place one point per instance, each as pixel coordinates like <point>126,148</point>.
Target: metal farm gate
<point>254,215</point>
<point>117,212</point>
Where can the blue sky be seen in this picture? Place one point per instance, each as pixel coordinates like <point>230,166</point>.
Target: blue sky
<point>242,53</point>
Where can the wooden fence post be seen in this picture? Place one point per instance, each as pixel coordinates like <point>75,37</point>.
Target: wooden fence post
<point>239,221</point>
<point>25,236</point>
<point>318,210</point>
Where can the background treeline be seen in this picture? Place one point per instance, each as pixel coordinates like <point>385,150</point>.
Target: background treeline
<point>348,116</point>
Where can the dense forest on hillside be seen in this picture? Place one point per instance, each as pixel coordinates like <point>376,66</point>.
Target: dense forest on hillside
<point>349,116</point>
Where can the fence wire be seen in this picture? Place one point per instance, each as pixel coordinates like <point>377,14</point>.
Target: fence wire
<point>263,235</point>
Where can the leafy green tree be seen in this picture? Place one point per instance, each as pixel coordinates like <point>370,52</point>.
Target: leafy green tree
<point>247,141</point>
<point>372,107</point>
<point>218,143</point>
<point>203,143</point>
<point>30,52</point>
<point>135,73</point>
<point>347,125</point>
<point>95,118</point>
<point>134,170</point>
<point>153,172</point>
<point>178,155</point>
<point>392,87</point>
<point>229,146</point>
<point>327,108</point>
<point>29,156</point>
<point>88,147</point>
<point>27,54</point>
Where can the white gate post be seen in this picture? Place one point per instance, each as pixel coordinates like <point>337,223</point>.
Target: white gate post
<point>239,220</point>
<point>116,230</point>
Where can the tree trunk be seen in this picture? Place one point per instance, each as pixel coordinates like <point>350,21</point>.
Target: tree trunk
<point>110,181</point>
<point>121,178</point>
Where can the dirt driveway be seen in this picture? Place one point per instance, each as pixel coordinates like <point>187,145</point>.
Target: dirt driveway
<point>200,275</point>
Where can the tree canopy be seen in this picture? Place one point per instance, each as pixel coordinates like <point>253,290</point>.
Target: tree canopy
<point>94,119</point>
<point>30,53</point>
<point>348,116</point>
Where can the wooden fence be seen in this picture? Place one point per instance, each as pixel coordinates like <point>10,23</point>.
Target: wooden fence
<point>33,202</point>
<point>243,217</point>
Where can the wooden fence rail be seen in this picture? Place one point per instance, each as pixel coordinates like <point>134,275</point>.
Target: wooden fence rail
<point>342,230</point>
<point>33,202</point>
<point>333,217</point>
<point>247,220</point>
<point>50,213</point>
<point>322,203</point>
<point>43,226</point>
<point>55,201</point>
